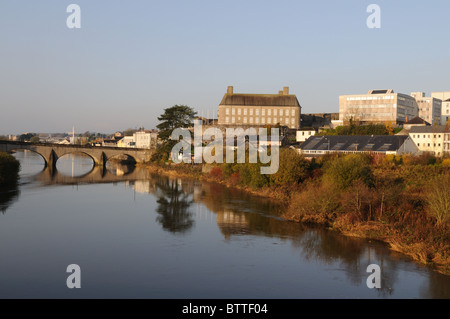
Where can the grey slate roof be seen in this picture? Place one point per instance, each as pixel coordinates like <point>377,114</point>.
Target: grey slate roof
<point>260,100</point>
<point>429,129</point>
<point>368,143</point>
<point>417,120</point>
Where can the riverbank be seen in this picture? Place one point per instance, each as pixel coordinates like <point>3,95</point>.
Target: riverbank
<point>9,169</point>
<point>391,200</point>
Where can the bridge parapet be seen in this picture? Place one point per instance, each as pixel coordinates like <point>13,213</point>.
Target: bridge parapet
<point>100,155</point>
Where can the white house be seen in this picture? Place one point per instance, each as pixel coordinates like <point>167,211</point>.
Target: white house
<point>303,135</point>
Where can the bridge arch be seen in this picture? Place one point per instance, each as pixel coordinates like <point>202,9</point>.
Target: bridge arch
<point>13,149</point>
<point>60,154</point>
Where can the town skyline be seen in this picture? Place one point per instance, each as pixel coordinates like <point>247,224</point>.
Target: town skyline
<point>128,63</point>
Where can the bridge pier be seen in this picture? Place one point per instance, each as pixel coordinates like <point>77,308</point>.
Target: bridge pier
<point>52,159</point>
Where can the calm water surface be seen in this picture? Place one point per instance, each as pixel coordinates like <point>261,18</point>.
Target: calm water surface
<point>140,236</point>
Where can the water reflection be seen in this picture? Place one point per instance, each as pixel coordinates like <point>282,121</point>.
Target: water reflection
<point>8,195</point>
<point>75,165</point>
<point>242,217</point>
<point>173,205</point>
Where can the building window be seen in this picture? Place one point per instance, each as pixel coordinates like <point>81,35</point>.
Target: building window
<point>239,111</point>
<point>263,120</point>
<point>293,112</point>
<point>257,120</point>
<point>263,112</point>
<point>233,120</point>
<point>251,111</point>
<point>257,112</point>
<point>281,112</point>
<point>275,112</point>
<point>233,111</point>
<point>227,119</point>
<point>245,120</point>
<point>245,111</point>
<point>269,112</point>
<point>227,111</point>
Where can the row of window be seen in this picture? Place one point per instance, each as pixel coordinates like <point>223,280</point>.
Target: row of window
<point>244,111</point>
<point>428,144</point>
<point>368,98</point>
<point>371,106</point>
<point>252,120</point>
<point>427,136</point>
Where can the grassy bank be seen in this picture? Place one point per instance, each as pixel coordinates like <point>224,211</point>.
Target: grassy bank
<point>9,169</point>
<point>400,200</point>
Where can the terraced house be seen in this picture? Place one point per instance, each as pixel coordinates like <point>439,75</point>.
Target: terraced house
<point>260,109</point>
<point>431,139</point>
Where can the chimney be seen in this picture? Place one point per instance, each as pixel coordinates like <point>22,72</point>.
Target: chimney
<point>230,90</point>
<point>280,92</point>
<point>286,90</point>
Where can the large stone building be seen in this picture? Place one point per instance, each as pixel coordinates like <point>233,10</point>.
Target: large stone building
<point>377,107</point>
<point>445,109</point>
<point>260,109</point>
<point>429,107</point>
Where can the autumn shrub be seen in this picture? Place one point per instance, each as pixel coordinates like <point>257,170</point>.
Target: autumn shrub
<point>293,168</point>
<point>342,172</point>
<point>437,198</point>
<point>216,173</point>
<point>316,202</point>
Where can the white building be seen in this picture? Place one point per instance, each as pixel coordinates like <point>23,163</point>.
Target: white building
<point>431,139</point>
<point>303,135</point>
<point>445,109</point>
<point>429,107</point>
<point>127,141</point>
<point>377,107</point>
<point>145,139</point>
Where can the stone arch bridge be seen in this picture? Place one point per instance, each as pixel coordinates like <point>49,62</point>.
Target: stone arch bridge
<point>99,154</point>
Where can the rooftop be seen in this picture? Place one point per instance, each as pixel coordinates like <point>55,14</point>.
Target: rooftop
<point>417,120</point>
<point>349,143</point>
<point>283,98</point>
<point>430,129</point>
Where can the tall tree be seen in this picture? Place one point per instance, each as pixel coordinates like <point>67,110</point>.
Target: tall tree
<point>177,116</point>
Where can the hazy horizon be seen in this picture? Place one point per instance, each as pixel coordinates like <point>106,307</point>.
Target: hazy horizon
<point>129,61</point>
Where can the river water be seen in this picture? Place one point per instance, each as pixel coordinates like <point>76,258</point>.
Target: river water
<point>136,235</point>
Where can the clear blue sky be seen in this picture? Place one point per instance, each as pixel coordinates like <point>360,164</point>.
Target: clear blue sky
<point>132,59</point>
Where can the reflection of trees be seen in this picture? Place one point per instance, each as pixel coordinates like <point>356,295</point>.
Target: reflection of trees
<point>241,214</point>
<point>352,254</point>
<point>173,206</point>
<point>8,195</point>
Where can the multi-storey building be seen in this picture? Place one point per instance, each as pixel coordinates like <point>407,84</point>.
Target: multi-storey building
<point>445,109</point>
<point>260,109</point>
<point>429,107</point>
<point>145,139</point>
<point>377,107</point>
<point>431,139</point>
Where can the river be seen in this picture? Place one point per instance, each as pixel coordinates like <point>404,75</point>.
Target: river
<point>137,235</point>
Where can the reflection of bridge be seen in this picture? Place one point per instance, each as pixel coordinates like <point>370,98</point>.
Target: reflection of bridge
<point>96,175</point>
<point>100,155</point>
